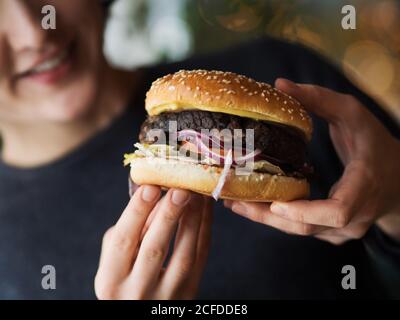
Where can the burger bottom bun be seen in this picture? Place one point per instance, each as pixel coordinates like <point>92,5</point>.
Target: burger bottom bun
<point>203,179</point>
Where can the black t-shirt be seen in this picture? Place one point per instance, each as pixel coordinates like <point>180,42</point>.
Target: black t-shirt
<point>56,214</point>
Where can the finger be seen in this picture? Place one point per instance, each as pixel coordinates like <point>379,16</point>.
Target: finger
<point>155,244</point>
<point>336,240</point>
<point>203,246</point>
<point>183,258</point>
<point>338,210</point>
<point>261,213</point>
<point>352,231</point>
<point>204,240</point>
<point>151,217</point>
<point>120,244</point>
<point>326,103</point>
<point>149,220</point>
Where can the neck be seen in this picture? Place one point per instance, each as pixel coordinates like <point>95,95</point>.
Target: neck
<point>30,145</point>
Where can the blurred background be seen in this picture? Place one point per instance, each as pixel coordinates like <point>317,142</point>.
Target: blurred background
<point>168,30</point>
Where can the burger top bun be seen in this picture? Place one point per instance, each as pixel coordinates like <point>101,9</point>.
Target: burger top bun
<point>226,92</point>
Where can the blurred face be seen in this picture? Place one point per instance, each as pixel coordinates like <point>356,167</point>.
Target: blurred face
<point>49,75</point>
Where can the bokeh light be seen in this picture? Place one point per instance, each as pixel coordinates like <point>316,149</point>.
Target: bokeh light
<point>369,55</point>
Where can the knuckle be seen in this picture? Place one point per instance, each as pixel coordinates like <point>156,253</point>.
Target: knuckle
<point>139,209</point>
<point>153,254</point>
<point>124,243</point>
<point>342,217</point>
<point>306,229</point>
<point>185,267</point>
<point>354,103</point>
<point>171,215</point>
<point>300,216</point>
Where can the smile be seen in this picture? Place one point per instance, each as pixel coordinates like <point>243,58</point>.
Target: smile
<point>52,69</point>
<point>51,63</point>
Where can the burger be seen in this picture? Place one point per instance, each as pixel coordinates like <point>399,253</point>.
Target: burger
<point>224,135</point>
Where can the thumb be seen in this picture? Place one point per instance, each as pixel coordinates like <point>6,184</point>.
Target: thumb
<point>325,103</point>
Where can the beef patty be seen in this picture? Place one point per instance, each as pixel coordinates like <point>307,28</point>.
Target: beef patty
<point>281,145</point>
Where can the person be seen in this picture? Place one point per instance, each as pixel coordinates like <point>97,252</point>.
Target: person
<point>66,119</point>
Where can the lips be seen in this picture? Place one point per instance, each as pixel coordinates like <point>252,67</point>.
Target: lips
<point>51,63</point>
<point>51,68</point>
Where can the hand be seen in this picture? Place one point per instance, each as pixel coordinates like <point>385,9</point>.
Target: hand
<point>368,190</point>
<point>135,249</point>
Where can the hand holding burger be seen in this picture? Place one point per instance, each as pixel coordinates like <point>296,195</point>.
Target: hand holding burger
<point>367,192</point>
<point>135,249</point>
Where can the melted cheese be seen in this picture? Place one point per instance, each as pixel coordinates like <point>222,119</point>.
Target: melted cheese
<point>241,113</point>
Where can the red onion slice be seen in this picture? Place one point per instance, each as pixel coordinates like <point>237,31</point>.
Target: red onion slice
<point>198,140</point>
<point>224,174</point>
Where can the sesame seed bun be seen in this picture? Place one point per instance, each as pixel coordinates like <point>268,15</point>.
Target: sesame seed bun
<point>203,179</point>
<point>226,92</point>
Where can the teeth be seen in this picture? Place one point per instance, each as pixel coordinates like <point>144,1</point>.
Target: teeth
<point>51,63</point>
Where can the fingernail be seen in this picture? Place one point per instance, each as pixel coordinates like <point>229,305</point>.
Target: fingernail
<point>180,197</point>
<point>150,193</point>
<point>279,209</point>
<point>238,207</point>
